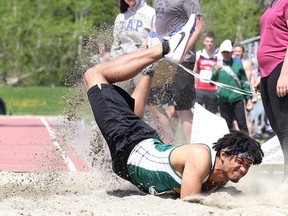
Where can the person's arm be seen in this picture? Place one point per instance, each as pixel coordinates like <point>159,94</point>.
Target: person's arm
<point>217,66</point>
<point>256,83</point>
<point>196,168</point>
<point>106,57</point>
<point>282,83</point>
<point>153,29</point>
<point>195,35</point>
<point>248,69</point>
<point>145,42</point>
<point>246,86</point>
<point>196,68</point>
<point>115,45</point>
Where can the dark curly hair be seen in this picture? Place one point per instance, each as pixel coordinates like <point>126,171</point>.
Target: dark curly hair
<point>123,6</point>
<point>237,141</point>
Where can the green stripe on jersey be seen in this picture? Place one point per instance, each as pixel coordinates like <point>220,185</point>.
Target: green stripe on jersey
<point>144,179</point>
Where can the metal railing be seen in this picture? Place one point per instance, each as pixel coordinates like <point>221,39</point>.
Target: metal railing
<point>251,46</point>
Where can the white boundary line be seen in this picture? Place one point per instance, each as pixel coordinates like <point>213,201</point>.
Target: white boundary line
<point>65,157</point>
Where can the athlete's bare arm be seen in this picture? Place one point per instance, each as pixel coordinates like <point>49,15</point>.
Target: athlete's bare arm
<point>196,34</point>
<point>193,162</point>
<point>248,69</point>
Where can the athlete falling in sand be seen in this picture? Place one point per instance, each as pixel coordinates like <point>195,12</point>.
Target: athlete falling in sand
<point>138,154</point>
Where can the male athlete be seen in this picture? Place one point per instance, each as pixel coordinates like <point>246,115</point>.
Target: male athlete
<point>138,154</point>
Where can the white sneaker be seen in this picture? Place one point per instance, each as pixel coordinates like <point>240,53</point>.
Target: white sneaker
<point>153,39</point>
<point>178,41</point>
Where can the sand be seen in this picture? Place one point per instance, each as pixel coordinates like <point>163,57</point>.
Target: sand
<point>100,192</point>
<point>97,193</point>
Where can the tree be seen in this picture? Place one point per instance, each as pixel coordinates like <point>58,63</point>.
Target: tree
<point>235,20</point>
<point>46,42</point>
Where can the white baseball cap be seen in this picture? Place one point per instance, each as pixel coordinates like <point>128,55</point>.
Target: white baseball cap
<point>226,45</point>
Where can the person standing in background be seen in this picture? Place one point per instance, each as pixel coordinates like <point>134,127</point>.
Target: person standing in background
<point>205,60</point>
<point>131,29</point>
<point>169,14</point>
<point>101,56</point>
<point>272,55</point>
<point>2,107</point>
<point>239,50</point>
<point>232,104</point>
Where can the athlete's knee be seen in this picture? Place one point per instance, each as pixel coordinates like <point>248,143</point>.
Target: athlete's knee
<point>88,74</point>
<point>92,76</point>
<point>87,77</point>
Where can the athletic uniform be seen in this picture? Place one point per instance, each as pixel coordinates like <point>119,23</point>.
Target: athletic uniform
<point>121,128</point>
<point>130,30</point>
<point>150,168</point>
<point>137,153</point>
<point>169,14</point>
<point>206,93</point>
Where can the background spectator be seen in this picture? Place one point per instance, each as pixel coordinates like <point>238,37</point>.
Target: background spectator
<point>232,104</point>
<point>205,60</point>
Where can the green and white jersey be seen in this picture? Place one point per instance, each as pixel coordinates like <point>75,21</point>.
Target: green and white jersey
<point>150,168</point>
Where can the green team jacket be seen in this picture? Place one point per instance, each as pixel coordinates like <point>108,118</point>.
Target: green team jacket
<point>226,95</point>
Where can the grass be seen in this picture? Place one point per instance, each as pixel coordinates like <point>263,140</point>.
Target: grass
<point>36,100</point>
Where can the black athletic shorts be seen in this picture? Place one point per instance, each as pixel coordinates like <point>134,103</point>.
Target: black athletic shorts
<point>181,90</point>
<point>160,95</point>
<point>207,98</point>
<point>122,129</point>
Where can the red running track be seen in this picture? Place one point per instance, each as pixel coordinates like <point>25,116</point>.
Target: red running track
<point>30,144</point>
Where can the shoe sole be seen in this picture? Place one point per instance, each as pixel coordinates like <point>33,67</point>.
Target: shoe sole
<point>183,35</point>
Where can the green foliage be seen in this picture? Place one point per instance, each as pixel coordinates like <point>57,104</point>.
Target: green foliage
<point>231,19</point>
<point>40,38</point>
<point>49,42</point>
<point>35,100</point>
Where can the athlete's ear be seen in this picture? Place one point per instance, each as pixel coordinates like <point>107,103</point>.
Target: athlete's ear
<point>223,155</point>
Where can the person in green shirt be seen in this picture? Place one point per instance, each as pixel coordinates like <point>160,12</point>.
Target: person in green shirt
<point>231,72</point>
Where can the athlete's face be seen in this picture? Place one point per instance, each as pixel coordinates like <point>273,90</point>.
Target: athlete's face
<point>131,3</point>
<point>209,43</point>
<point>237,51</point>
<point>236,167</point>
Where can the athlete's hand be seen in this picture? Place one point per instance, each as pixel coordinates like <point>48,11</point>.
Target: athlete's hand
<point>282,85</point>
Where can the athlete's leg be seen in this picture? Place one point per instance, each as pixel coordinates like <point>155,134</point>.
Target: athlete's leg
<point>162,122</point>
<point>158,97</point>
<point>127,66</point>
<point>184,96</point>
<point>186,117</point>
<point>122,68</point>
<point>226,112</point>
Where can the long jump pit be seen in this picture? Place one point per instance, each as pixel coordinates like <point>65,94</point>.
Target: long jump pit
<point>53,168</point>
